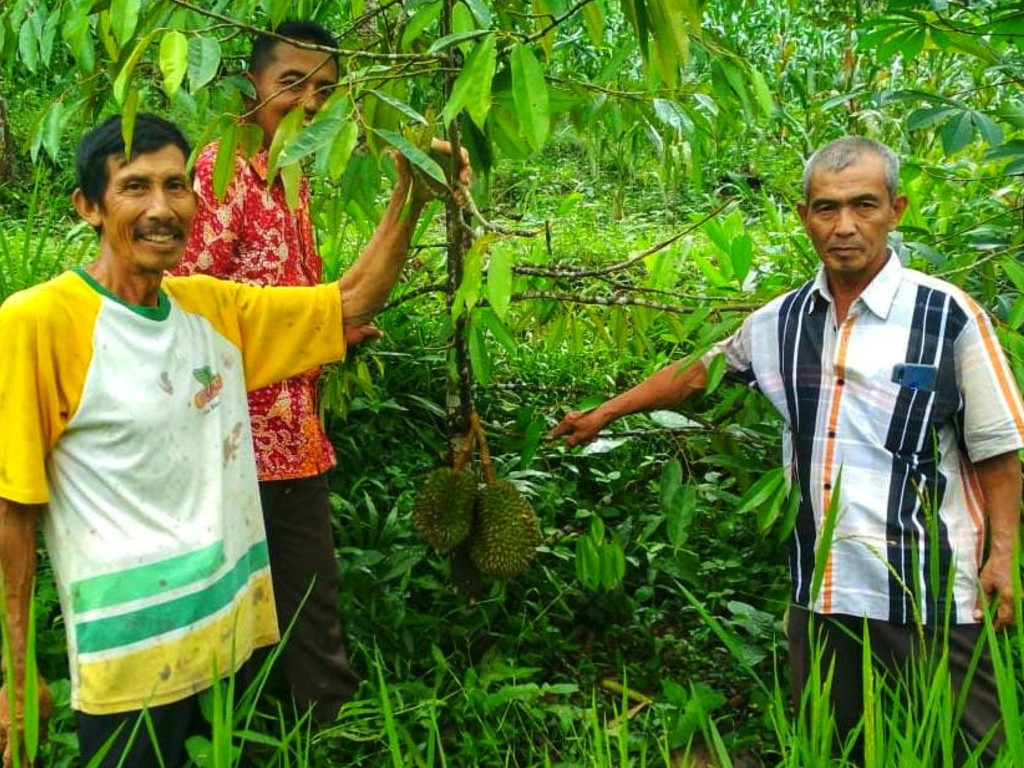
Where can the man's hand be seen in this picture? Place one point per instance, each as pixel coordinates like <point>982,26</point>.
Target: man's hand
<point>360,333</point>
<point>12,729</point>
<point>580,427</point>
<point>996,581</point>
<point>425,188</point>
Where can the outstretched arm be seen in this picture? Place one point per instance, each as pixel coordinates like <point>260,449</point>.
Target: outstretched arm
<point>18,524</point>
<point>365,285</point>
<point>1001,485</point>
<point>667,388</point>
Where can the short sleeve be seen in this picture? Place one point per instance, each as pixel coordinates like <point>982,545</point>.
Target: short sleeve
<point>993,414</point>
<point>45,352</point>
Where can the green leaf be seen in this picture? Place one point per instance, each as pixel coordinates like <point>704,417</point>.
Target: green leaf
<point>588,567</point>
<point>680,516</point>
<point>121,81</point>
<point>28,47</point>
<point>341,148</point>
<point>291,177</point>
<point>413,154</point>
<point>424,17</point>
<point>530,95</point>
<point>927,117</point>
<point>481,12</point>
<point>53,122</point>
<point>492,323</point>
<point>224,165</point>
<point>760,492</point>
<point>203,61</point>
<point>741,255</point>
<point>479,355</point>
<point>593,19</point>
<point>1014,271</point>
<point>287,130</point>
<point>468,293</point>
<point>77,34</point>
<point>612,564</point>
<point>956,133</point>
<point>459,37</point>
<point>472,89</point>
<point>173,60</point>
<point>716,372</point>
<point>499,280</point>
<point>124,18</point>
<point>318,135</point>
<point>401,106</point>
<point>670,483</point>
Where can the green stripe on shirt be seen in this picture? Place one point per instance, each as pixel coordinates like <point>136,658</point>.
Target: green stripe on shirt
<point>146,581</point>
<point>151,621</point>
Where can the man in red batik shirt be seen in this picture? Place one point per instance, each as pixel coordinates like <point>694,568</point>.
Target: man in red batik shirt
<point>253,236</point>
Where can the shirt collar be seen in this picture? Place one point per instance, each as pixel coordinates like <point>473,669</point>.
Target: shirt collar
<point>880,293</point>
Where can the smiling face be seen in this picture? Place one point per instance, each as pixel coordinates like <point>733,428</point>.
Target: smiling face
<point>292,77</point>
<point>145,213</point>
<point>848,215</point>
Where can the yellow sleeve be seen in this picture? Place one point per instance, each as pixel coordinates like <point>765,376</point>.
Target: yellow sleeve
<point>281,330</point>
<point>45,350</point>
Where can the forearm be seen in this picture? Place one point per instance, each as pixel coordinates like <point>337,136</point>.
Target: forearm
<point>668,388</point>
<point>1001,486</point>
<point>365,285</point>
<point>18,524</point>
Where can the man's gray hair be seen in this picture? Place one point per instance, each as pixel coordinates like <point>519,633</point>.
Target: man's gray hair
<point>838,154</point>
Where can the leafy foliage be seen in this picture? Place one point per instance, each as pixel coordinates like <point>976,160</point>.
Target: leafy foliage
<point>637,162</point>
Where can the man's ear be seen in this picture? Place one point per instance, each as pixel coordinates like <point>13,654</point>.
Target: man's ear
<point>90,212</point>
<point>899,206</point>
<point>801,209</point>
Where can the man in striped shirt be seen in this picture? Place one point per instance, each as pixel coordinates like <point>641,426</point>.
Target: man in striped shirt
<point>903,427</point>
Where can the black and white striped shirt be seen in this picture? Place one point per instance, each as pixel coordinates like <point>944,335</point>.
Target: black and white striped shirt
<point>891,407</point>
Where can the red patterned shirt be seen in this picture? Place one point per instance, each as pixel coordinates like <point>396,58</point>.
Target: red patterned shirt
<point>253,237</point>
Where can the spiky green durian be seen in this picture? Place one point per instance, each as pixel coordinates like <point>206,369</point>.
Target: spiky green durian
<point>507,533</point>
<point>443,509</point>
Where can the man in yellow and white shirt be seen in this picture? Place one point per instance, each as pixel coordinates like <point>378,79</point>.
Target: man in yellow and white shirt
<point>126,435</point>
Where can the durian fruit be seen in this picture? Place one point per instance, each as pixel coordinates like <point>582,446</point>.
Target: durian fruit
<point>443,509</point>
<point>507,532</point>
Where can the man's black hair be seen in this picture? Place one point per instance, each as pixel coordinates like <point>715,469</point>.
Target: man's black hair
<point>300,31</point>
<point>152,133</point>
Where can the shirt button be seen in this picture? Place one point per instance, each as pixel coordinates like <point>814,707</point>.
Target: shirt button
<point>831,433</point>
<point>840,382</point>
<point>828,486</point>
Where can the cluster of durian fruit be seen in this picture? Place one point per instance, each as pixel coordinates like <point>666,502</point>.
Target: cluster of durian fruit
<point>500,526</point>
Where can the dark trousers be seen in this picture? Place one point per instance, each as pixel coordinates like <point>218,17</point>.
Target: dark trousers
<point>896,651</point>
<point>297,515</point>
<point>171,724</point>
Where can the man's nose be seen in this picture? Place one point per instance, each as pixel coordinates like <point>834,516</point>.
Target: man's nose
<point>312,99</point>
<point>160,204</point>
<point>845,221</point>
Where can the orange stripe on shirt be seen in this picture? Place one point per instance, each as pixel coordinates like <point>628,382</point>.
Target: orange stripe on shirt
<point>830,449</point>
<point>1006,385</point>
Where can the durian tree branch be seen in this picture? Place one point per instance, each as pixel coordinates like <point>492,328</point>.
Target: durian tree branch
<point>633,259</point>
<point>485,450</point>
<point>626,301</point>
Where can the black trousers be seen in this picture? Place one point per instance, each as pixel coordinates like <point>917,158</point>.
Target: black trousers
<point>896,650</point>
<point>297,515</point>
<point>172,725</point>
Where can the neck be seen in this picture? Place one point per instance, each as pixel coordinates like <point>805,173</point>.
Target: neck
<point>847,287</point>
<point>141,289</point>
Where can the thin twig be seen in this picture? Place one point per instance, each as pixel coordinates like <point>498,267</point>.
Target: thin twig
<point>576,272</point>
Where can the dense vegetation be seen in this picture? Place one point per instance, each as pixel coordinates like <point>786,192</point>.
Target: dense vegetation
<point>637,166</point>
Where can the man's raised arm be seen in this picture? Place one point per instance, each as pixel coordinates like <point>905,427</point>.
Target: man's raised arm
<point>365,285</point>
